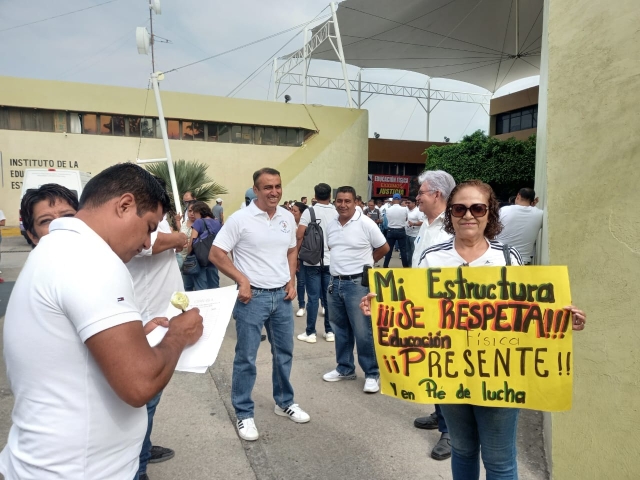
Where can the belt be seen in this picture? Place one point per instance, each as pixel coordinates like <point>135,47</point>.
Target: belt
<point>396,228</point>
<point>267,289</point>
<point>347,277</point>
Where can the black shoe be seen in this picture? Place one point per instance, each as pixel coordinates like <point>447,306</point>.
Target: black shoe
<point>427,423</point>
<point>263,337</point>
<point>160,454</point>
<point>144,476</point>
<point>442,450</point>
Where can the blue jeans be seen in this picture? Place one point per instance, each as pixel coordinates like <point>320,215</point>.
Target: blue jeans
<point>490,431</point>
<point>207,278</point>
<point>411,247</point>
<point>351,326</point>
<point>189,282</point>
<point>400,235</point>
<point>442,424</point>
<point>145,454</point>
<point>300,285</point>
<point>317,282</point>
<point>271,310</point>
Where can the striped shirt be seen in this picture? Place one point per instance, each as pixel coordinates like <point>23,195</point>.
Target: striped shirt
<point>445,255</point>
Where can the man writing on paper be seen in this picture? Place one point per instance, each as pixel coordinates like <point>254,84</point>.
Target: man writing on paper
<point>262,237</point>
<point>156,276</point>
<point>78,361</point>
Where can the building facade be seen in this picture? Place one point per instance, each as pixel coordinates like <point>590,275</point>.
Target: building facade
<point>51,124</point>
<point>514,115</point>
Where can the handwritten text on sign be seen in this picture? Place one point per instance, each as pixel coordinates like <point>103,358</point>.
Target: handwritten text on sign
<point>493,336</point>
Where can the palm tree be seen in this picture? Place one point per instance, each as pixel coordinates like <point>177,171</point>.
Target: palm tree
<point>191,177</point>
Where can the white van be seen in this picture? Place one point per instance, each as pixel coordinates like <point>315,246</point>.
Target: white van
<point>74,180</point>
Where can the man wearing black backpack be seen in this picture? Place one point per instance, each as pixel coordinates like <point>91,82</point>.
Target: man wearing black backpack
<point>312,246</point>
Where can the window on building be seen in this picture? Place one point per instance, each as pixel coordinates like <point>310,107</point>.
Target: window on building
<point>106,125</point>
<point>258,134</point>
<point>119,125</point>
<point>187,130</point>
<point>146,127</point>
<point>282,136</point>
<point>133,129</point>
<point>521,119</point>
<point>236,134</point>
<point>90,123</point>
<point>224,133</point>
<point>212,132</point>
<point>60,122</point>
<point>270,136</point>
<point>173,129</point>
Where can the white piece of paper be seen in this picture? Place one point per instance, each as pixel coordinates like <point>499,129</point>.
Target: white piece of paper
<point>216,306</point>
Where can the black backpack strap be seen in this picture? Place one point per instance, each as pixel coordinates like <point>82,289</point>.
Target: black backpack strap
<point>506,250</point>
<point>313,215</point>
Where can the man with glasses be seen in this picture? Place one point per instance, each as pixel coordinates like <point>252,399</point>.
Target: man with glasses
<point>435,187</point>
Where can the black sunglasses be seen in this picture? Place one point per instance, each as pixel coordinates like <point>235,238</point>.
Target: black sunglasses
<point>477,210</point>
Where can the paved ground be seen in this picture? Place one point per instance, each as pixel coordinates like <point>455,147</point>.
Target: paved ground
<point>351,434</point>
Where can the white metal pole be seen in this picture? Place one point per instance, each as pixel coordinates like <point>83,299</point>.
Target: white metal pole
<point>517,28</point>
<point>305,66</point>
<point>165,140</point>
<point>336,28</point>
<point>275,79</point>
<point>360,90</point>
<point>428,106</point>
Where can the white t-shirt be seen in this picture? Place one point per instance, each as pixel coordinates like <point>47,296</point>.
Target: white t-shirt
<point>259,244</point>
<point>397,216</point>
<point>155,277</point>
<point>414,216</point>
<point>445,255</point>
<point>325,214</point>
<point>68,423</point>
<point>428,236</point>
<point>352,245</point>
<point>521,227</point>
<point>2,217</point>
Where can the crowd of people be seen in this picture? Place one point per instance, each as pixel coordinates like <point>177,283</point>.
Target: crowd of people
<point>96,395</point>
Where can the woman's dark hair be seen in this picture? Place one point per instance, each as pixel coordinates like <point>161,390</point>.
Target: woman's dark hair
<point>494,227</point>
<point>301,206</point>
<point>50,192</point>
<point>202,208</point>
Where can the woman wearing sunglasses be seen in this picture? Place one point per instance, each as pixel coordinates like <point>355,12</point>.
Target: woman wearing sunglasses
<point>472,217</point>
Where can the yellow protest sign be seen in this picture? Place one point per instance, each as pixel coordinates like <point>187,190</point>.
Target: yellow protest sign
<point>492,336</point>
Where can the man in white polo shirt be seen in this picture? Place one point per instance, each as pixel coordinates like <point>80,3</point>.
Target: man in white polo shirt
<point>262,238</point>
<point>414,221</point>
<point>435,187</point>
<point>396,221</point>
<point>355,242</point>
<point>522,223</point>
<point>78,362</point>
<point>317,277</point>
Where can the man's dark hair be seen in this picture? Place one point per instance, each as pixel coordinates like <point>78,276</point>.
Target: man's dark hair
<point>202,208</point>
<point>346,189</point>
<point>412,199</point>
<point>322,191</point>
<point>303,198</point>
<point>125,178</point>
<point>50,192</point>
<point>264,171</point>
<point>190,192</point>
<point>528,194</point>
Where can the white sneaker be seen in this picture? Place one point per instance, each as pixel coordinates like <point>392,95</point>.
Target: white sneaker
<point>329,337</point>
<point>247,429</point>
<point>294,412</point>
<point>300,312</point>
<point>371,385</point>
<point>323,311</point>
<point>307,338</point>
<point>335,376</point>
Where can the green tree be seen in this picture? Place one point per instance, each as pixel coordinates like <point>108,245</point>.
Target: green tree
<point>506,165</point>
<point>190,176</point>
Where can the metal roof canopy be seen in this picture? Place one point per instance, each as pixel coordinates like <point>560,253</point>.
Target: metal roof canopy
<point>485,43</point>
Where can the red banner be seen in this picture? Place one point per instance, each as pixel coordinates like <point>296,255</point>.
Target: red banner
<point>387,185</point>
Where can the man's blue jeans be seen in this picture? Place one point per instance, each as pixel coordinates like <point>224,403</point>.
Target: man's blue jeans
<point>301,285</point>
<point>400,235</point>
<point>490,431</point>
<point>207,278</point>
<point>411,247</point>
<point>145,454</point>
<point>351,325</point>
<point>317,281</point>
<point>442,424</point>
<point>271,310</point>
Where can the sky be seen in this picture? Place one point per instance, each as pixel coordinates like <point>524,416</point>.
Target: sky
<point>98,46</point>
